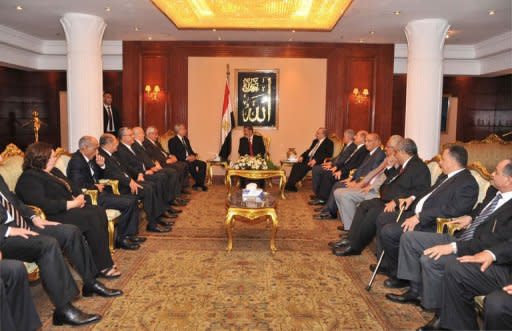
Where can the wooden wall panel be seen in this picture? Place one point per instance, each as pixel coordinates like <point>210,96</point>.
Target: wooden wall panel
<point>154,72</point>
<point>360,74</point>
<point>380,80</point>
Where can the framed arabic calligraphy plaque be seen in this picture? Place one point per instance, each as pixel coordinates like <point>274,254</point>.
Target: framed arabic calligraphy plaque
<point>257,97</point>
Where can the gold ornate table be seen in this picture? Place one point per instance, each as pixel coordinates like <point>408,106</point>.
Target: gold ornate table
<point>209,169</point>
<point>257,174</point>
<point>252,212</point>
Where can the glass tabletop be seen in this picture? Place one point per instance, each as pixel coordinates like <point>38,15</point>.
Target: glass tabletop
<point>236,200</point>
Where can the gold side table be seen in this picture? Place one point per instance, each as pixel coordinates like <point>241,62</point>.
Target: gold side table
<point>209,169</point>
<point>251,212</point>
<point>257,174</point>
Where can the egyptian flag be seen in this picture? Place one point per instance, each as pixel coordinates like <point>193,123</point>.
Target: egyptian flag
<point>226,125</point>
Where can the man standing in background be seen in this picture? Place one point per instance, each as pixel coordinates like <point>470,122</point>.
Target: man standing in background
<point>111,119</point>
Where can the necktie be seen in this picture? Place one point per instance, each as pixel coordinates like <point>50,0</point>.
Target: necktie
<point>401,171</point>
<point>91,166</point>
<point>185,145</point>
<point>110,125</point>
<point>377,174</point>
<point>313,151</point>
<point>14,212</point>
<point>484,215</point>
<point>251,151</point>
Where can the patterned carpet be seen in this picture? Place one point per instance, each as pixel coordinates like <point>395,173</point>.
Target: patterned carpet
<point>185,280</point>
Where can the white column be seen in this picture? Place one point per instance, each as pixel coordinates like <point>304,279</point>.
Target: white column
<point>84,34</point>
<point>425,39</point>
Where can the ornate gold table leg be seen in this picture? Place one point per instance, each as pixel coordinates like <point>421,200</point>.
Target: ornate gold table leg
<point>209,173</point>
<point>111,232</point>
<point>228,183</point>
<point>229,230</point>
<point>282,184</point>
<point>275,226</point>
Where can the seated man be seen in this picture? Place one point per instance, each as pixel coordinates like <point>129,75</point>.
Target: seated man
<point>373,158</point>
<point>84,171</point>
<point>424,256</point>
<point>410,178</point>
<point>157,153</point>
<point>466,279</point>
<point>174,178</point>
<point>17,310</point>
<point>454,194</point>
<point>251,145</point>
<point>348,198</point>
<point>26,237</point>
<point>180,146</point>
<point>348,148</point>
<point>320,149</point>
<point>154,204</point>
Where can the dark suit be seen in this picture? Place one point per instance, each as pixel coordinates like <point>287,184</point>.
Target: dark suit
<point>157,153</point>
<point>197,168</point>
<point>45,251</point>
<point>17,310</point>
<point>79,173</point>
<point>427,274</point>
<point>448,197</point>
<point>400,183</point>
<point>154,205</point>
<point>463,281</point>
<point>319,171</point>
<point>48,192</point>
<point>258,146</point>
<point>136,166</point>
<point>300,169</point>
<point>116,119</point>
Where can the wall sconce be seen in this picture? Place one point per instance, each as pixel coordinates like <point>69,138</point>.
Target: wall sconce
<point>153,94</point>
<point>360,97</point>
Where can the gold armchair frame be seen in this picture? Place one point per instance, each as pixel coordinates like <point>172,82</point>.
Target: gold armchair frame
<point>443,224</point>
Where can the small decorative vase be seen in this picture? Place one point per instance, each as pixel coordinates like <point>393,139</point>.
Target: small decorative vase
<point>292,153</point>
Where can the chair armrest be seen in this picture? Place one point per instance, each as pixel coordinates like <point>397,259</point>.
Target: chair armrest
<point>351,174</point>
<point>442,224</point>
<point>93,194</point>
<point>38,211</point>
<point>113,183</point>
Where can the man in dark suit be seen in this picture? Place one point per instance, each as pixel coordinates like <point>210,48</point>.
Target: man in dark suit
<point>488,273</point>
<point>17,310</point>
<point>320,149</point>
<point>85,170</point>
<point>348,148</point>
<point>157,153</point>
<point>154,205</point>
<point>111,119</point>
<point>411,178</point>
<point>251,145</point>
<point>180,146</point>
<point>142,168</point>
<point>365,158</point>
<point>454,194</point>
<point>174,178</point>
<point>27,237</point>
<point>423,256</point>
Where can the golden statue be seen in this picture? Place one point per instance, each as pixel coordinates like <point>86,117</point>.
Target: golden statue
<point>36,124</point>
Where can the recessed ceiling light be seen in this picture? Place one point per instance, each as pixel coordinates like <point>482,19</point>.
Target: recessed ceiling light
<point>19,8</point>
<point>372,32</point>
<point>214,30</point>
<point>361,41</point>
<point>397,12</point>
<point>293,31</point>
<point>136,28</point>
<point>492,12</point>
<point>290,39</point>
<point>150,38</point>
<point>107,9</point>
<point>447,36</point>
<point>219,38</point>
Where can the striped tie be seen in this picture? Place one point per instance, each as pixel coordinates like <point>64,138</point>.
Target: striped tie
<point>14,212</point>
<point>491,207</point>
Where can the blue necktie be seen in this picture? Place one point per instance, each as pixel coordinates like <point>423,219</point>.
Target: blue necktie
<point>484,215</point>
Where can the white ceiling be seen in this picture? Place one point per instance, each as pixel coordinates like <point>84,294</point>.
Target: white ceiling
<point>469,21</point>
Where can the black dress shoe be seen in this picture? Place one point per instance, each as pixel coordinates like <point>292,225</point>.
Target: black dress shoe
<point>324,216</point>
<point>126,243</point>
<point>339,243</point>
<point>382,270</point>
<point>433,324</point>
<point>166,214</point>
<point>406,297</point>
<point>341,228</point>
<point>313,197</point>
<point>174,210</point>
<point>178,203</point>
<point>291,189</point>
<point>204,188</point>
<point>316,202</point>
<point>165,222</point>
<point>156,228</point>
<point>137,239</point>
<point>98,288</point>
<point>196,187</point>
<point>345,251</point>
<point>71,315</point>
<point>319,209</point>
<point>182,200</point>
<point>185,191</point>
<point>395,283</point>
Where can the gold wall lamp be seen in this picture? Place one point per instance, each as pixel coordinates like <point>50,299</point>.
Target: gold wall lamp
<point>359,96</point>
<point>152,93</point>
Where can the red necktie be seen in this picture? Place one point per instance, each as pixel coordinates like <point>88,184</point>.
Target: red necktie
<point>251,152</point>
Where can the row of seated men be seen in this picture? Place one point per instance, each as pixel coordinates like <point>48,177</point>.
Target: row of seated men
<point>440,272</point>
<point>76,228</point>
